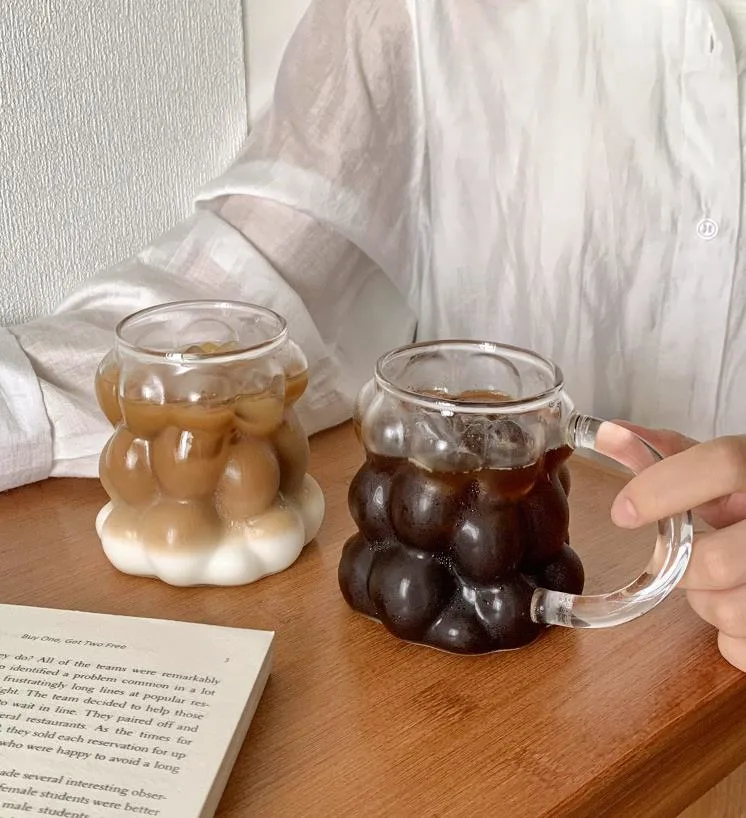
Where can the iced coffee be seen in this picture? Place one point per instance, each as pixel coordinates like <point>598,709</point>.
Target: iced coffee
<point>462,508</point>
<point>207,467</point>
<point>461,505</point>
<point>451,558</point>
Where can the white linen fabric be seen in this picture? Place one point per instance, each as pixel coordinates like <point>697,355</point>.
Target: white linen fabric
<point>565,175</point>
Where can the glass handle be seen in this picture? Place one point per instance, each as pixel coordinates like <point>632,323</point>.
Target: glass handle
<point>670,558</point>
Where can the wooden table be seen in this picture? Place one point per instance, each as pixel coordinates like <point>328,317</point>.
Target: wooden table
<point>641,720</point>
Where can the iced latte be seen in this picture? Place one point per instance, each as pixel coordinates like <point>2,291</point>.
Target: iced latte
<point>207,467</point>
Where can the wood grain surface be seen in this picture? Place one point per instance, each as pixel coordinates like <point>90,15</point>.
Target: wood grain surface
<point>726,800</point>
<point>640,720</point>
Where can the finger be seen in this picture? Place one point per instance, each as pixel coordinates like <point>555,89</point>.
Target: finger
<point>717,513</point>
<point>724,511</point>
<point>733,650</point>
<point>726,610</point>
<point>666,441</point>
<point>683,481</point>
<point>718,560</point>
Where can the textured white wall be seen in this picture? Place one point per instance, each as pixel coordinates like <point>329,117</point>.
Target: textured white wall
<point>269,25</point>
<point>112,114</point>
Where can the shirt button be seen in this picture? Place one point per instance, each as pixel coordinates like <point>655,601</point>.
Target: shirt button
<point>707,229</point>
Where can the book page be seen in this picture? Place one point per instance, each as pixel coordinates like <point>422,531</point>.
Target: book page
<point>110,715</point>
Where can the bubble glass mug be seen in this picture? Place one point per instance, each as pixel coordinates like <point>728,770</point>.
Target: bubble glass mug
<point>462,504</point>
<point>206,469</point>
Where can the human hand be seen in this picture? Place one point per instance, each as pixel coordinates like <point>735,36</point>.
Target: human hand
<point>710,479</point>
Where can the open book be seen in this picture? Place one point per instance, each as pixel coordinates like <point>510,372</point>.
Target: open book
<point>114,715</point>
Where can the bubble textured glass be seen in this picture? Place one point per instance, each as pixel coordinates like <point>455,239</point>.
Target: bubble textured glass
<point>207,468</point>
<point>462,503</point>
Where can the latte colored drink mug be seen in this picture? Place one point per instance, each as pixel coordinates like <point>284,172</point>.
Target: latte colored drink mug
<point>206,469</point>
<point>462,503</point>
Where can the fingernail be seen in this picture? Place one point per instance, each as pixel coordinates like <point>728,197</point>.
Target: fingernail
<point>623,512</point>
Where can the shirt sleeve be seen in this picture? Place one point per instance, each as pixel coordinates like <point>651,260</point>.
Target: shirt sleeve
<point>317,219</point>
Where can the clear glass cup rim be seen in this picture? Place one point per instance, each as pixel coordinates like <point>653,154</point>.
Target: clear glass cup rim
<point>515,406</point>
<point>248,351</point>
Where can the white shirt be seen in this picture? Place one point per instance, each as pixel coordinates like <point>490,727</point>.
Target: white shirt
<point>735,15</point>
<point>564,175</point>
